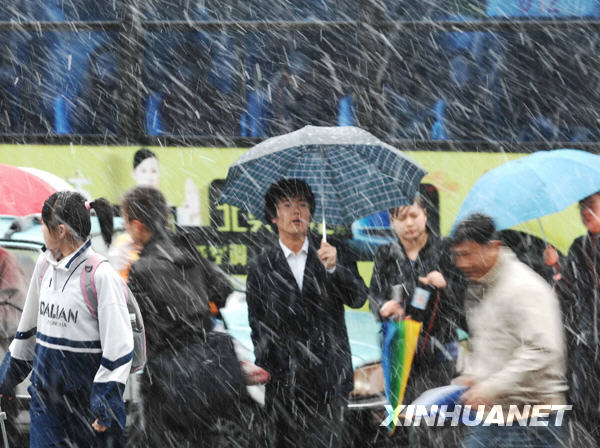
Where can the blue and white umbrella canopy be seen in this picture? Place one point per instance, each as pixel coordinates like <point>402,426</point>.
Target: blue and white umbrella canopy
<point>351,172</point>
<point>542,183</point>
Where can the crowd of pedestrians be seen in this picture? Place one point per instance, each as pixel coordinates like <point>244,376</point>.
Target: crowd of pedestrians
<point>530,343</point>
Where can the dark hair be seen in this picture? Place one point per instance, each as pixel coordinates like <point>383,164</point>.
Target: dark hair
<point>418,201</point>
<point>69,208</point>
<point>477,227</point>
<point>147,205</point>
<point>287,188</point>
<point>583,201</point>
<point>141,155</point>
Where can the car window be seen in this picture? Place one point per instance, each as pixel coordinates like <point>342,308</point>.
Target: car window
<point>16,269</point>
<point>25,258</point>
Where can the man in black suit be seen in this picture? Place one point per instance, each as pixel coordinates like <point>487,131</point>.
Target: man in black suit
<point>296,292</point>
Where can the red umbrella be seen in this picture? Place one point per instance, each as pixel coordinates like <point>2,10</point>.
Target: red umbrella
<point>56,182</point>
<point>21,193</point>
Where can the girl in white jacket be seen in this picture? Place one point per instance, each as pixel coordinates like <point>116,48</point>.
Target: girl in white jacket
<point>80,361</point>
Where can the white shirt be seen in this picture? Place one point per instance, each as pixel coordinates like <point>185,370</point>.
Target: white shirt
<point>297,262</point>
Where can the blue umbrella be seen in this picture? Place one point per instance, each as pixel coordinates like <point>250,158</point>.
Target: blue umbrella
<point>351,172</point>
<point>542,183</point>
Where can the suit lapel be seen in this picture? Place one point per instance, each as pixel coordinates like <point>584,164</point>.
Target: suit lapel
<point>282,267</point>
<point>310,284</point>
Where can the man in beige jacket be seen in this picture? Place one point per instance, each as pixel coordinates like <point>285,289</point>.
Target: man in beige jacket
<point>516,355</point>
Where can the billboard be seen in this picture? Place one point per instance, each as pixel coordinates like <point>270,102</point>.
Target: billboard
<point>191,179</point>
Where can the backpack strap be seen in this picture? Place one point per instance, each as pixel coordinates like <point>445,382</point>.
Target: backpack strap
<point>88,286</point>
<point>430,326</point>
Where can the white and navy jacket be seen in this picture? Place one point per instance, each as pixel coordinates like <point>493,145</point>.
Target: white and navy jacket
<point>69,349</point>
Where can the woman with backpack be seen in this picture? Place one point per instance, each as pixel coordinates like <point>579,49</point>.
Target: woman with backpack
<point>79,354</point>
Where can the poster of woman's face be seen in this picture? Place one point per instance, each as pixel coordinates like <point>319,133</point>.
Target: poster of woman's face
<point>147,172</point>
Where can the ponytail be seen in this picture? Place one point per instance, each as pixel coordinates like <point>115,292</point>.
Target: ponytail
<point>104,212</point>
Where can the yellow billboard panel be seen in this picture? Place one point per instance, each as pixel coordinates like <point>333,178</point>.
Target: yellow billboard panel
<point>186,174</point>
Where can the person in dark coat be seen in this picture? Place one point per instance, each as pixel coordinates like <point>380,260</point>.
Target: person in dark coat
<point>173,285</point>
<point>419,258</point>
<point>296,291</point>
<point>580,294</point>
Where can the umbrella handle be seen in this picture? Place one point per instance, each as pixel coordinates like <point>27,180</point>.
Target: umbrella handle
<point>324,230</point>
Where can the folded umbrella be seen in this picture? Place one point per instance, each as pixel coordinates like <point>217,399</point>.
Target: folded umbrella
<point>400,339</point>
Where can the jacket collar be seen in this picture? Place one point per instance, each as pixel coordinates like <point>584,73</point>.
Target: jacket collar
<point>398,249</point>
<point>67,262</point>
<point>287,251</point>
<point>161,244</point>
<point>505,257</point>
<point>152,245</point>
<point>593,240</point>
<point>280,264</point>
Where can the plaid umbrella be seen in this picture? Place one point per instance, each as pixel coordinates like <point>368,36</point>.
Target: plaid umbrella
<point>351,172</point>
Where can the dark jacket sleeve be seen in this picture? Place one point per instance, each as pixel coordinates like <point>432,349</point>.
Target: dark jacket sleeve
<point>218,284</point>
<point>107,403</point>
<point>378,289</point>
<point>454,292</point>
<point>571,286</point>
<point>12,372</point>
<point>140,283</point>
<point>345,283</point>
<point>257,313</point>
